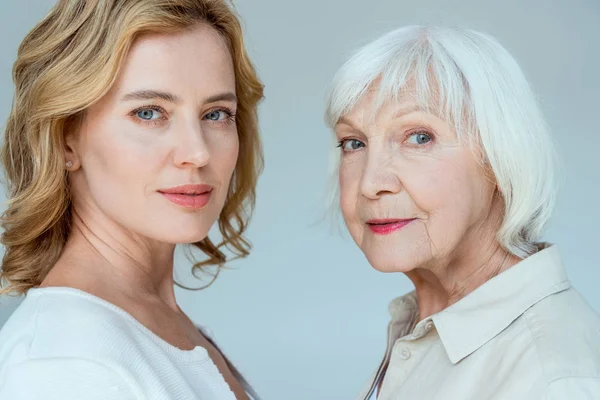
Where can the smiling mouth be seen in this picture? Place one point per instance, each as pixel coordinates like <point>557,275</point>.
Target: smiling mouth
<point>385,227</point>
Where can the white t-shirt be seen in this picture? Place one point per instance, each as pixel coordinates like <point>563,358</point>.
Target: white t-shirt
<point>65,344</point>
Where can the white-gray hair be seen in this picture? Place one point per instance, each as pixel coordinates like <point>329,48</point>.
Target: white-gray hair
<point>483,94</point>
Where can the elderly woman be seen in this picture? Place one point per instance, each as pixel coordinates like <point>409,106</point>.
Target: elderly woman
<point>447,174</point>
<point>134,129</point>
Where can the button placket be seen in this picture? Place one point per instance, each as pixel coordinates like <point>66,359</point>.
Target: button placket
<point>399,366</point>
<point>402,349</point>
<point>404,353</point>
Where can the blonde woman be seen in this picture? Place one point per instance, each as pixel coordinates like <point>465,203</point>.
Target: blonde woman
<point>447,174</point>
<point>134,129</point>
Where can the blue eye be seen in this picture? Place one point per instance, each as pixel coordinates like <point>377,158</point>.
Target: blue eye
<point>350,145</point>
<point>148,114</point>
<point>419,138</point>
<point>217,115</point>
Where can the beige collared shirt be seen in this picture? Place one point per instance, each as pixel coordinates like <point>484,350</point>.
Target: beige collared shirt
<point>525,334</point>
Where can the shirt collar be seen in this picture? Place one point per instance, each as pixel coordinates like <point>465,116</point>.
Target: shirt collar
<point>477,318</point>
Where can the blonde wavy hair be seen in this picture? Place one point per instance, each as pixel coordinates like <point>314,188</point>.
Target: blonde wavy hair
<point>65,64</point>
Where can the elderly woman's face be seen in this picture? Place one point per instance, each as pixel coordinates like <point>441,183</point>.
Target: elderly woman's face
<point>410,191</point>
<point>166,123</point>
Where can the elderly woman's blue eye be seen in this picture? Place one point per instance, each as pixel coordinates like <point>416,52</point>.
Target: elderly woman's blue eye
<point>419,138</point>
<point>351,144</point>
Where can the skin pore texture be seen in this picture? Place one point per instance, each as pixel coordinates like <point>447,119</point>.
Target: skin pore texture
<point>169,120</point>
<point>405,165</point>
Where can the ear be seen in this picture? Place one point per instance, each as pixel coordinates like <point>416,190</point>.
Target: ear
<point>72,143</point>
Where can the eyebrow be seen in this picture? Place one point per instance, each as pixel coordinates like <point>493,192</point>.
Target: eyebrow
<point>228,96</point>
<point>344,121</point>
<point>156,94</point>
<point>402,111</point>
<point>149,95</point>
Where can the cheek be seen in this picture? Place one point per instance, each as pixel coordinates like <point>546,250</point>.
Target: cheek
<point>437,180</point>
<point>120,166</point>
<point>116,157</point>
<point>349,183</point>
<point>450,192</point>
<point>350,175</point>
<point>224,150</point>
<point>432,187</point>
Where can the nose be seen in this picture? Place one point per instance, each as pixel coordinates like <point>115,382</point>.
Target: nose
<point>191,148</point>
<point>380,177</point>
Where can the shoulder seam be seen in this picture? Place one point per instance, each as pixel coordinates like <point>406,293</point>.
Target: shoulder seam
<point>35,324</point>
<point>535,345</point>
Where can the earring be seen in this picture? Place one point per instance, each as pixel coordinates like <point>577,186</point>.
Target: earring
<point>69,164</point>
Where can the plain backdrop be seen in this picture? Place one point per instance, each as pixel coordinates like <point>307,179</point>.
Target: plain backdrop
<point>304,317</point>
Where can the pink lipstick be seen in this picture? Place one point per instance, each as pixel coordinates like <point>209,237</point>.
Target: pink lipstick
<point>189,196</point>
<point>387,226</point>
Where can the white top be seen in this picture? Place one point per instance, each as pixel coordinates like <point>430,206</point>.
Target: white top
<point>524,335</point>
<point>65,344</point>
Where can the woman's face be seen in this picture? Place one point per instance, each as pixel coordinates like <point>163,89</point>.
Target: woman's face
<point>167,122</point>
<point>411,192</point>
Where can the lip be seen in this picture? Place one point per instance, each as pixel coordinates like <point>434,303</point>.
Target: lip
<point>189,196</point>
<point>387,226</point>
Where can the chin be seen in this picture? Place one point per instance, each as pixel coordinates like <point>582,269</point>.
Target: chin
<point>184,227</point>
<point>390,263</point>
<point>182,235</point>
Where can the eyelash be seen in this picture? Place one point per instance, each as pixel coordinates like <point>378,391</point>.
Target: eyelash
<point>341,143</point>
<point>230,115</point>
<point>421,132</point>
<point>408,135</point>
<point>153,122</point>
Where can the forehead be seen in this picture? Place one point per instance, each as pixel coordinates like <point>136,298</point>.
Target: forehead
<point>188,61</point>
<point>375,107</point>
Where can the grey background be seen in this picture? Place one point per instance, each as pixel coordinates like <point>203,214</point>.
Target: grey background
<point>305,315</point>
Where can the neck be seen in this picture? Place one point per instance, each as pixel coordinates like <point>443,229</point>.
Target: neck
<point>105,259</point>
<point>439,288</point>
<point>448,279</point>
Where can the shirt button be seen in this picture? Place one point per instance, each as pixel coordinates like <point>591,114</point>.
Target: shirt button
<point>429,325</point>
<point>405,354</point>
